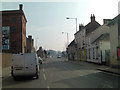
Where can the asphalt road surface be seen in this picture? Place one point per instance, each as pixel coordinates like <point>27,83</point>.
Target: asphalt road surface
<point>57,73</point>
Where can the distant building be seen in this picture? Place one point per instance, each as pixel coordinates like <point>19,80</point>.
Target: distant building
<point>30,44</point>
<point>14,31</point>
<point>114,26</point>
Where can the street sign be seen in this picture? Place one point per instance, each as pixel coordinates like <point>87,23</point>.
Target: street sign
<point>5,37</point>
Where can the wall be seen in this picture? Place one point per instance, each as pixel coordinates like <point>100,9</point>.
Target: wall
<point>23,34</point>
<point>80,39</point>
<point>83,55</point>
<point>114,44</point>
<point>96,33</point>
<point>6,64</point>
<point>71,52</point>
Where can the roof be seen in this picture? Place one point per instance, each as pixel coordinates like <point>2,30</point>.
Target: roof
<point>72,43</point>
<point>101,37</point>
<point>10,12</point>
<point>91,26</point>
<point>77,32</point>
<point>114,20</point>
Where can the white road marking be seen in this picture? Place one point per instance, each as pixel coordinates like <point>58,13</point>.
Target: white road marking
<point>44,76</point>
<point>43,70</point>
<point>48,87</point>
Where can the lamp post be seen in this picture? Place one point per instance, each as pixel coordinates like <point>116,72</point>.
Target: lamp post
<point>67,37</point>
<point>75,21</point>
<point>36,42</point>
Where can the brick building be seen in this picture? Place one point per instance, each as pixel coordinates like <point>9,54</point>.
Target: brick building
<point>14,31</point>
<point>30,44</point>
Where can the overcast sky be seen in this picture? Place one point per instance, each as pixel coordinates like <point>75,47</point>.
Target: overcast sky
<point>47,20</point>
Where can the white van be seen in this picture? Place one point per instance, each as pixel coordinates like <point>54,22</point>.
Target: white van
<point>26,64</point>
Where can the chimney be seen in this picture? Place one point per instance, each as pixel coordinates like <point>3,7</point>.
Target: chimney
<point>81,26</point>
<point>20,6</point>
<point>92,17</point>
<point>30,36</point>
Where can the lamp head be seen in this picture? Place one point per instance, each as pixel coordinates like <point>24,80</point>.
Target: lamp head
<point>67,18</point>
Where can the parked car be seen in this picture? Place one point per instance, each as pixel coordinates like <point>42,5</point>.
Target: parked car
<point>40,60</point>
<point>58,56</point>
<point>25,65</point>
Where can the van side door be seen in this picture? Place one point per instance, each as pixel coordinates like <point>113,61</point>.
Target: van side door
<point>30,64</point>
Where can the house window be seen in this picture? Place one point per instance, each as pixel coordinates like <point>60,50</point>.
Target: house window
<point>14,46</point>
<point>14,19</point>
<point>97,53</point>
<point>14,29</point>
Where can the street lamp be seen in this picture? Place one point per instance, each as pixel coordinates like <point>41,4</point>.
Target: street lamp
<point>75,21</point>
<point>36,42</point>
<point>67,37</point>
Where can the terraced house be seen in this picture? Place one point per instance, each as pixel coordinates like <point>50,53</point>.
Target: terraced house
<point>81,35</point>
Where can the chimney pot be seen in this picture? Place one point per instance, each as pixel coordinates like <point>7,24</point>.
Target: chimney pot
<point>20,7</point>
<point>92,17</point>
<point>81,26</point>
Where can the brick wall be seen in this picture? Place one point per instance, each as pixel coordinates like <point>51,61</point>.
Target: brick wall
<point>6,60</point>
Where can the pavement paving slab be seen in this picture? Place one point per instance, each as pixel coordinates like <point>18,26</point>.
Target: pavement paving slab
<point>98,67</point>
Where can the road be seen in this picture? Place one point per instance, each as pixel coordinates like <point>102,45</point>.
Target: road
<point>57,73</point>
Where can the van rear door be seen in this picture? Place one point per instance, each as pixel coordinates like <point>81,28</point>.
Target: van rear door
<point>30,64</point>
<point>18,64</point>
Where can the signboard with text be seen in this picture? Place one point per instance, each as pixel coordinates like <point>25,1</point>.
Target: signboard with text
<point>5,37</point>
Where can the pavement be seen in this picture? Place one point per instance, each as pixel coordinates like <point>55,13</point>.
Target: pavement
<point>5,72</point>
<point>103,68</point>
